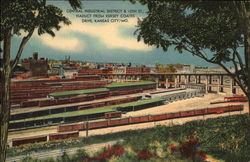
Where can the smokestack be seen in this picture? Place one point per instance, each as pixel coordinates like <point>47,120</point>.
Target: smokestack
<point>35,55</point>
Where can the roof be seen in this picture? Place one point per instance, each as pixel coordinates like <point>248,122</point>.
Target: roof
<point>78,92</point>
<point>91,111</point>
<point>128,84</point>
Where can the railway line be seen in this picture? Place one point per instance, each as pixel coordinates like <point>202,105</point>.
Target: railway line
<point>90,149</point>
<point>140,124</point>
<point>95,147</point>
<point>44,116</point>
<point>72,131</point>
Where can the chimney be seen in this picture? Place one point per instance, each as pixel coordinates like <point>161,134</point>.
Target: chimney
<point>35,55</point>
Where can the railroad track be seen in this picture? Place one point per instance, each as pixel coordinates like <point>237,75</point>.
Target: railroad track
<point>90,149</point>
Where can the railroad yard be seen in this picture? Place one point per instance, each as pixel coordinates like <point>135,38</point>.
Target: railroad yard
<point>52,110</point>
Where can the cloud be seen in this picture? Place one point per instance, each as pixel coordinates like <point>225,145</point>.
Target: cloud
<point>108,33</point>
<point>58,42</point>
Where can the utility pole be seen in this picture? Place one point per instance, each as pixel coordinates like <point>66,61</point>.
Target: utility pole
<point>87,127</point>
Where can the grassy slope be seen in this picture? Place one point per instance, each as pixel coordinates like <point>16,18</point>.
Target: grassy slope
<point>225,138</point>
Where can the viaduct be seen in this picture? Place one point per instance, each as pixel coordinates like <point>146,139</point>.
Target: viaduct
<point>212,82</point>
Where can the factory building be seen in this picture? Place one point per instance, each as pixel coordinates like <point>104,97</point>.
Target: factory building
<point>35,66</point>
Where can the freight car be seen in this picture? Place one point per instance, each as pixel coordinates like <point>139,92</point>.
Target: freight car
<point>235,98</point>
<point>43,138</point>
<point>149,118</point>
<point>28,140</point>
<point>112,115</point>
<point>61,136</point>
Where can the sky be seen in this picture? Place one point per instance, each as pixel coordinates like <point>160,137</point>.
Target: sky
<point>112,41</point>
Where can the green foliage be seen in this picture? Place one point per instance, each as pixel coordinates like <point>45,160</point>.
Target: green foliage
<point>48,160</point>
<point>24,16</point>
<point>75,4</point>
<point>80,155</point>
<point>64,158</point>
<point>182,25</point>
<point>224,138</point>
<point>29,159</point>
<point>27,15</point>
<point>210,30</point>
<point>165,68</point>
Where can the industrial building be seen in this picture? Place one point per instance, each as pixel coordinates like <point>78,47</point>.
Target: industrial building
<point>35,66</point>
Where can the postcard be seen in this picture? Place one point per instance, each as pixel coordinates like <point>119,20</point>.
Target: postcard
<point>124,81</point>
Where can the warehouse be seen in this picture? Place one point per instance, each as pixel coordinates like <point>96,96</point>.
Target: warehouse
<point>176,94</point>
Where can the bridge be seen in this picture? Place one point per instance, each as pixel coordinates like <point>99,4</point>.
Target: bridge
<point>211,82</point>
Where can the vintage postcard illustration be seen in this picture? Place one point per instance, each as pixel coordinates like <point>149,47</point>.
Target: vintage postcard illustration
<point>124,81</point>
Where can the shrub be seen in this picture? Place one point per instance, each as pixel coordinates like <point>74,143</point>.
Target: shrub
<point>48,160</point>
<point>173,148</point>
<point>144,155</point>
<point>65,157</point>
<point>29,159</point>
<point>109,152</point>
<point>80,155</point>
<point>189,149</point>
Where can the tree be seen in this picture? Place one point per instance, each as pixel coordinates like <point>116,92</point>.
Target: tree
<point>23,16</point>
<point>211,30</point>
<point>165,68</point>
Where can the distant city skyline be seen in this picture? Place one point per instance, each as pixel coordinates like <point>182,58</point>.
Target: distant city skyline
<point>102,42</point>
